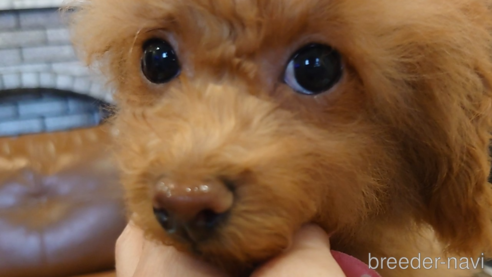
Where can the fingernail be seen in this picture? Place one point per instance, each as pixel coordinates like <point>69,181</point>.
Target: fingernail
<point>353,267</point>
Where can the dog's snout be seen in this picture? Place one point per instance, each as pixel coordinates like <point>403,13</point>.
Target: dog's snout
<point>191,212</point>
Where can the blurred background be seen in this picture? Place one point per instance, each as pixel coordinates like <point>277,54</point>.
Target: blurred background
<point>61,208</point>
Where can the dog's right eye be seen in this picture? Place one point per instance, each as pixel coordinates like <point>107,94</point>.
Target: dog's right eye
<point>160,63</point>
<point>313,69</point>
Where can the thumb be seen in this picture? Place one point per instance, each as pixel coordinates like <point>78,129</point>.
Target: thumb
<point>309,255</point>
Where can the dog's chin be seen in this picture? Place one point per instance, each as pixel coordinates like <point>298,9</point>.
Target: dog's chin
<point>227,259</point>
<point>235,256</point>
<point>222,258</point>
<point>232,265</point>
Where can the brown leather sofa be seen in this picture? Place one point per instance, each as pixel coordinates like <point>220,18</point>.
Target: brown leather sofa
<point>60,204</point>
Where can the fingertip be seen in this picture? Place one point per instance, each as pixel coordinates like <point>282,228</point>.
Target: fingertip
<point>128,250</point>
<point>311,236</point>
<point>309,255</point>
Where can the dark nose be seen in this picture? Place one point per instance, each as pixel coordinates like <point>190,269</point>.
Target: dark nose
<point>191,212</point>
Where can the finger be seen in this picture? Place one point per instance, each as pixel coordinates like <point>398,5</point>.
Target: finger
<point>128,250</point>
<point>309,255</point>
<point>353,267</point>
<point>311,237</point>
<point>160,260</point>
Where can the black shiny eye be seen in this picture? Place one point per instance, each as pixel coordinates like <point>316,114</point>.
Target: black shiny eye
<point>160,63</point>
<point>314,69</point>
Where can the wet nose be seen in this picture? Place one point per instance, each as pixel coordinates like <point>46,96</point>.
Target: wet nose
<point>191,212</point>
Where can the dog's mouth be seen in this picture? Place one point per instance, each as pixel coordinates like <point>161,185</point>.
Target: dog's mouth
<point>202,229</point>
<point>227,223</point>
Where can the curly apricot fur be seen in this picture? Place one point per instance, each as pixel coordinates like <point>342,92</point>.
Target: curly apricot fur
<point>393,161</point>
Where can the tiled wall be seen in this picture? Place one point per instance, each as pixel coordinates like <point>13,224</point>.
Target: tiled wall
<point>35,51</point>
<point>30,111</point>
<point>29,4</point>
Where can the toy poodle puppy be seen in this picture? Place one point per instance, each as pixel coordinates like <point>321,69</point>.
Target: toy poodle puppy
<point>239,121</point>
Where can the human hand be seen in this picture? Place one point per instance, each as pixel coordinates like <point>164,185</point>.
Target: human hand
<point>309,255</point>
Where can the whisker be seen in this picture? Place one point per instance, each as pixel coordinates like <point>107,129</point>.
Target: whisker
<point>135,41</point>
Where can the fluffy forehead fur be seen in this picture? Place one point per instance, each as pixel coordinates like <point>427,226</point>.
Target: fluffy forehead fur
<point>400,144</point>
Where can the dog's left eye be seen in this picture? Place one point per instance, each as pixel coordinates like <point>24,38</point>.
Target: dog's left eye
<point>313,69</point>
<point>159,62</point>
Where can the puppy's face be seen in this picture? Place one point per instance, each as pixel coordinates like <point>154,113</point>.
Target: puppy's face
<point>240,121</point>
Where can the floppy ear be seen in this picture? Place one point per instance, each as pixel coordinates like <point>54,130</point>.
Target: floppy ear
<point>458,194</point>
<point>446,146</point>
<point>441,113</point>
<point>459,202</point>
<point>451,149</point>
